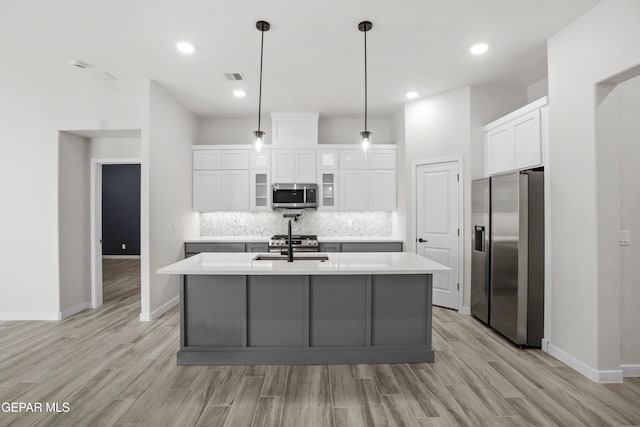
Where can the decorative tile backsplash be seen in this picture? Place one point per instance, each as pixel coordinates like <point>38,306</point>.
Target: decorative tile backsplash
<point>310,222</point>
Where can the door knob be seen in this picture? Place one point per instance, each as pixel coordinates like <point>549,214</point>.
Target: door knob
<point>421,240</point>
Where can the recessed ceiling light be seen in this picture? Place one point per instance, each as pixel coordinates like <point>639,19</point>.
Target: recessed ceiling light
<point>412,94</point>
<point>479,49</point>
<point>239,93</point>
<point>186,48</point>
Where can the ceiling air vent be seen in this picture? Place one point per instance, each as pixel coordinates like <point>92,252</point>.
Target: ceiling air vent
<point>234,76</point>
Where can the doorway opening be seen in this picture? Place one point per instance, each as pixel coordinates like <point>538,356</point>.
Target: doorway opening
<point>438,207</point>
<point>120,234</point>
<point>82,155</point>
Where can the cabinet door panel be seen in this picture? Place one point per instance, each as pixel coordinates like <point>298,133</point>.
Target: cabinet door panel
<point>282,166</point>
<point>261,161</point>
<point>235,190</point>
<point>206,191</point>
<point>206,159</point>
<point>353,159</point>
<point>327,159</point>
<point>527,143</point>
<point>305,165</point>
<point>382,190</point>
<point>234,159</point>
<point>353,190</point>
<point>501,156</point>
<point>382,159</point>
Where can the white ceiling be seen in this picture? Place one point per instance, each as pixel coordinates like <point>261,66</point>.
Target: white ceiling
<point>313,53</point>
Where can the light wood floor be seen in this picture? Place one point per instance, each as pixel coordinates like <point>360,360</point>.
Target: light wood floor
<point>115,370</point>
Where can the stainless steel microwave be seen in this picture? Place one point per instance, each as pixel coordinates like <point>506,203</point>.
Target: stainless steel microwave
<point>294,196</point>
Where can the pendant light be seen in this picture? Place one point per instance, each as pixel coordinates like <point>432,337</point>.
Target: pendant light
<point>262,26</point>
<point>365,26</point>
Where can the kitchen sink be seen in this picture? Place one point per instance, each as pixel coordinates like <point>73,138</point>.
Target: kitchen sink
<point>321,258</point>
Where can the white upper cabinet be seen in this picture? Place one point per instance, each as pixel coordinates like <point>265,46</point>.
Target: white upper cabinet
<point>327,159</point>
<point>354,191</point>
<point>237,178</point>
<point>206,191</point>
<point>282,166</point>
<point>220,159</point>
<point>353,159</point>
<point>234,190</point>
<point>381,159</point>
<point>261,160</point>
<point>305,166</point>
<point>514,141</point>
<point>206,159</point>
<point>382,190</point>
<point>293,166</point>
<point>234,159</point>
<point>294,129</point>
<point>527,141</point>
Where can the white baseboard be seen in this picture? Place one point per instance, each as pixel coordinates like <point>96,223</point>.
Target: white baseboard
<point>147,317</point>
<point>545,345</point>
<point>74,310</point>
<point>29,315</point>
<point>466,310</point>
<point>630,370</point>
<point>609,376</point>
<point>120,256</point>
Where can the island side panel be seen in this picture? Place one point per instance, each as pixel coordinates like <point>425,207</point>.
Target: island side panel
<point>213,311</point>
<point>276,311</point>
<point>401,310</point>
<point>338,311</point>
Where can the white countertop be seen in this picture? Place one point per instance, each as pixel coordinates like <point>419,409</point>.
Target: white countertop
<point>226,263</point>
<point>321,239</point>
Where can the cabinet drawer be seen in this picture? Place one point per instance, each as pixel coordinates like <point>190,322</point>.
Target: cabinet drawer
<point>195,248</point>
<point>329,247</point>
<point>372,247</point>
<point>257,247</point>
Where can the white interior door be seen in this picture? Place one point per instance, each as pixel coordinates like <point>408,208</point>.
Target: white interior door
<point>437,233</point>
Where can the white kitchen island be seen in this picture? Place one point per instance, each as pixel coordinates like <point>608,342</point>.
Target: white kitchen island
<point>351,308</point>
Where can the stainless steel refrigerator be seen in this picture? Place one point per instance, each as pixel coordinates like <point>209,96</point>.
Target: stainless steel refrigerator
<point>507,262</point>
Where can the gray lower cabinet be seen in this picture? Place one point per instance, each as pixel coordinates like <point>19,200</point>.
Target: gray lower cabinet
<point>329,247</point>
<point>372,247</point>
<point>257,247</point>
<point>305,319</point>
<point>191,249</point>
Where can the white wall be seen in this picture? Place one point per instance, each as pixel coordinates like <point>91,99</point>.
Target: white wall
<point>438,127</point>
<point>331,130</point>
<point>445,125</point>
<point>231,130</point>
<point>628,98</point>
<point>115,147</point>
<point>167,156</point>
<point>346,130</point>
<point>32,114</point>
<point>582,303</point>
<point>538,89</point>
<point>74,220</point>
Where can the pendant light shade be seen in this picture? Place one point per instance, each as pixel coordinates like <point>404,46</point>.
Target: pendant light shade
<point>365,26</point>
<point>258,135</point>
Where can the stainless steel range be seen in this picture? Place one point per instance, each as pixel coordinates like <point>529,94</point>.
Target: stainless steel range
<point>299,243</point>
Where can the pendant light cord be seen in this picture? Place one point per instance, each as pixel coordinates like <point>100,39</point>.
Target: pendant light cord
<point>260,91</point>
<point>365,81</point>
